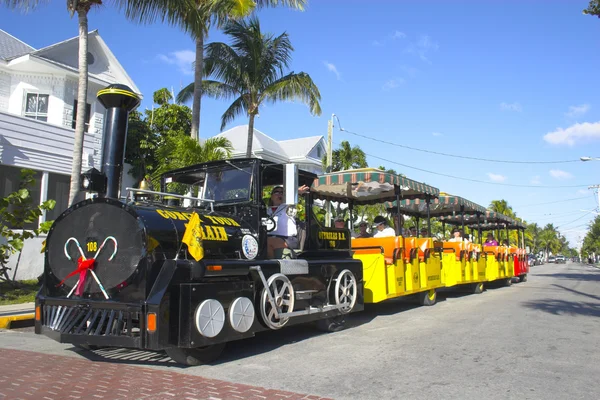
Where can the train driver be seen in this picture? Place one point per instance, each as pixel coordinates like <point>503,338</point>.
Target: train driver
<point>285,234</point>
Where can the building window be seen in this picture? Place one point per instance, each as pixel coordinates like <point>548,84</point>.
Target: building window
<point>9,183</point>
<point>36,106</point>
<point>88,112</point>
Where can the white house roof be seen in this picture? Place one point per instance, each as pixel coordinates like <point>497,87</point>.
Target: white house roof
<point>300,147</point>
<point>266,147</point>
<point>64,55</point>
<point>11,47</point>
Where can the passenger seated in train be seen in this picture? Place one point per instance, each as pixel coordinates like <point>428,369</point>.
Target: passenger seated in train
<point>424,232</point>
<point>457,236</point>
<point>412,232</point>
<point>339,222</point>
<point>285,234</point>
<point>490,241</point>
<point>362,231</point>
<point>381,227</point>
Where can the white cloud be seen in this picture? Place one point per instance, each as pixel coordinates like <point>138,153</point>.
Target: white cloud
<point>398,35</point>
<point>576,132</point>
<point>536,180</point>
<point>183,59</point>
<point>393,84</point>
<point>511,107</point>
<point>577,111</point>
<point>437,134</point>
<point>583,191</point>
<point>331,67</point>
<point>377,43</point>
<point>559,174</point>
<point>422,47</point>
<point>496,177</point>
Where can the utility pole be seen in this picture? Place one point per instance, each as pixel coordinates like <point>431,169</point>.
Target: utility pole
<point>597,187</point>
<point>330,143</point>
<point>329,166</point>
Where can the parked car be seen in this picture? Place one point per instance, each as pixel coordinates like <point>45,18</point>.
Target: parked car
<point>533,260</point>
<point>551,259</point>
<point>560,259</point>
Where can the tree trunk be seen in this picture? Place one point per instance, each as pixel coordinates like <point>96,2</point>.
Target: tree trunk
<point>198,69</point>
<point>81,102</point>
<point>250,136</point>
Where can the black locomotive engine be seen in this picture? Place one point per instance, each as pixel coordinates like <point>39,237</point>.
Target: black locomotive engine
<point>189,273</point>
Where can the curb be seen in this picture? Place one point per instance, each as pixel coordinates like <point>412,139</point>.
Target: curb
<point>21,319</point>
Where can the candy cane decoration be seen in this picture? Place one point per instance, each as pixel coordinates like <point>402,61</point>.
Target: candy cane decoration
<point>84,265</point>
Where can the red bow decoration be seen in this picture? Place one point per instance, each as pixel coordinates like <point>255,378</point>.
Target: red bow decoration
<point>82,267</point>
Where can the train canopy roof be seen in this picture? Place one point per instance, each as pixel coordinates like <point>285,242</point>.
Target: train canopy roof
<point>489,220</point>
<point>369,186</point>
<point>445,205</point>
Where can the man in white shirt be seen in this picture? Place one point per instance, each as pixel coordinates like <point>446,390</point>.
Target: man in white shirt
<point>285,233</point>
<point>381,228</point>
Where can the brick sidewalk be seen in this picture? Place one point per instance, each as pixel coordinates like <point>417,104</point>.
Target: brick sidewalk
<point>26,374</point>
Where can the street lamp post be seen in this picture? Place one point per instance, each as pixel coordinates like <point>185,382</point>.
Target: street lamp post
<point>589,158</point>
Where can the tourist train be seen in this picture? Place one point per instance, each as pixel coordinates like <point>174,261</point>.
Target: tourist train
<point>188,273</point>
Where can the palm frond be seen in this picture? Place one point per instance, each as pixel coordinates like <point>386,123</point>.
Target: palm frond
<point>218,90</point>
<point>185,94</point>
<point>299,87</point>
<point>24,5</point>
<point>237,108</point>
<point>213,89</point>
<point>296,4</point>
<point>221,62</point>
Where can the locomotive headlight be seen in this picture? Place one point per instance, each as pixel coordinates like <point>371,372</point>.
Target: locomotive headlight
<point>93,180</point>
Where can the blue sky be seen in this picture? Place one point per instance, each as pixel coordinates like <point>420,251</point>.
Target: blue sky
<point>509,80</point>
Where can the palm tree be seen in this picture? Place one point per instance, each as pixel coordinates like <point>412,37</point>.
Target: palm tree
<point>593,8</point>
<point>136,10</point>
<point>532,236</point>
<point>251,70</point>
<point>218,12</point>
<point>347,157</point>
<point>502,207</point>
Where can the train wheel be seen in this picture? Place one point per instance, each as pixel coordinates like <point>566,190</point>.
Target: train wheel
<point>508,282</point>
<point>477,288</point>
<point>196,356</point>
<point>346,291</point>
<point>523,278</point>
<point>334,324</point>
<point>283,296</point>
<point>428,298</point>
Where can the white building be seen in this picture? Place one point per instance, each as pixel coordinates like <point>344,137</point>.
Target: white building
<point>306,152</point>
<point>38,97</point>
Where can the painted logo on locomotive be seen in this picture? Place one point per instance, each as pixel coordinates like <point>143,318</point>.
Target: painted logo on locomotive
<point>185,216</point>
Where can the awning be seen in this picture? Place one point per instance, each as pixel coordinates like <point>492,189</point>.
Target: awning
<point>489,220</point>
<point>368,186</point>
<point>445,205</point>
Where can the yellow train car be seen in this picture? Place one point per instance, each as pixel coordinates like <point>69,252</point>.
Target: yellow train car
<point>460,260</point>
<point>502,262</point>
<point>393,266</point>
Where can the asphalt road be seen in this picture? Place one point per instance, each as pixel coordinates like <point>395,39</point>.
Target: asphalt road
<point>535,340</point>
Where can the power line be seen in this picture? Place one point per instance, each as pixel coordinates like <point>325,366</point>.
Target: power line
<point>576,219</point>
<point>453,155</point>
<point>469,179</point>
<point>552,202</point>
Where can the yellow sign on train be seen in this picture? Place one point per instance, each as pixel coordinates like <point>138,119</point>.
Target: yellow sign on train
<point>193,236</point>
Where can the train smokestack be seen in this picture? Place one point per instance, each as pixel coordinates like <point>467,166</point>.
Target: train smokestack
<point>119,101</point>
